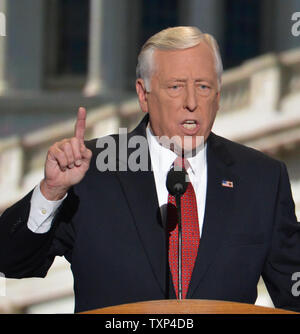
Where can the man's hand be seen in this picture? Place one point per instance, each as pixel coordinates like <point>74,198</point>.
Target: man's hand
<point>67,162</point>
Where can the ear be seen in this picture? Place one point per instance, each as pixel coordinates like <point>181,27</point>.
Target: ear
<point>142,94</point>
<point>218,97</point>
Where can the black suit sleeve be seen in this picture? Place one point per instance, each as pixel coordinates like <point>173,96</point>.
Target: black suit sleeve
<point>24,253</point>
<point>284,257</point>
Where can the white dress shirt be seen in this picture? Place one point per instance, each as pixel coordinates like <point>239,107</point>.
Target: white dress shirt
<point>162,160</point>
<point>42,211</point>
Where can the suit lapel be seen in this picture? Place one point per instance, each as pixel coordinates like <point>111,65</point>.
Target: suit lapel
<point>218,209</point>
<point>140,192</point>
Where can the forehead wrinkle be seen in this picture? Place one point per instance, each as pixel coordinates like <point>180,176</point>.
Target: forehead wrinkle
<point>161,72</point>
<point>178,79</point>
<point>184,80</point>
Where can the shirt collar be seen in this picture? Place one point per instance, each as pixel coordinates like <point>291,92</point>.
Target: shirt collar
<point>163,158</point>
<point>198,161</point>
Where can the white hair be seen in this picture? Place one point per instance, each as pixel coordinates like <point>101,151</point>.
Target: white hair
<point>174,39</point>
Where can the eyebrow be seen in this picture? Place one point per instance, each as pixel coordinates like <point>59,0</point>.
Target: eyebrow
<point>185,79</point>
<point>177,80</point>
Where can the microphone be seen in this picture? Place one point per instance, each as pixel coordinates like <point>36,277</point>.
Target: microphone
<point>177,185</point>
<point>176,182</point>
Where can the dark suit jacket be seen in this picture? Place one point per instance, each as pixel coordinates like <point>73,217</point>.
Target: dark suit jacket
<point>109,228</point>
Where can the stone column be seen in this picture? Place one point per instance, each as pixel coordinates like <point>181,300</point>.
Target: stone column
<point>95,84</point>
<point>207,15</point>
<point>3,49</point>
<point>107,46</point>
<point>24,44</point>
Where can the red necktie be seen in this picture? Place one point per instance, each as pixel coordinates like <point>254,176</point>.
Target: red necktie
<point>190,234</point>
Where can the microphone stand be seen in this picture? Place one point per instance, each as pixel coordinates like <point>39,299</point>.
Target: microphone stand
<point>176,185</point>
<point>178,205</point>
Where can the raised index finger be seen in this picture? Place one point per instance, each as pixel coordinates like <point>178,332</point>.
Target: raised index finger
<point>80,124</point>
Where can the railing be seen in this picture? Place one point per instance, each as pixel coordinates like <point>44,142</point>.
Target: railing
<point>265,90</point>
<point>267,84</point>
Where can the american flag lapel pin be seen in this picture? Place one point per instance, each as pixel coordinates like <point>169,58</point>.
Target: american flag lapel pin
<point>228,184</point>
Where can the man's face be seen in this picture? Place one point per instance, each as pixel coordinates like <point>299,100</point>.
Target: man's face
<point>184,96</point>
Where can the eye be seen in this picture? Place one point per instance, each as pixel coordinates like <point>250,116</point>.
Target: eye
<point>204,90</point>
<point>175,89</point>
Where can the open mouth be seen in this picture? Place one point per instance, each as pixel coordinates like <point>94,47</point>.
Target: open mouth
<point>190,127</point>
<point>189,124</point>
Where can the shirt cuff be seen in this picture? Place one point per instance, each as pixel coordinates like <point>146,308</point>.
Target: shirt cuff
<point>42,211</point>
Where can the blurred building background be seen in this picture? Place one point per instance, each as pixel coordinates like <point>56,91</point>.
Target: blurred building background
<point>58,55</point>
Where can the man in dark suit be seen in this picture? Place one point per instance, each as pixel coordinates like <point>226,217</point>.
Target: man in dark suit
<point>113,226</point>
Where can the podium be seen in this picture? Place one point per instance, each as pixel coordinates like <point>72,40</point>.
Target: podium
<point>188,306</point>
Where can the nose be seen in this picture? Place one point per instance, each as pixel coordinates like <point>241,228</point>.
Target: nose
<point>191,102</point>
